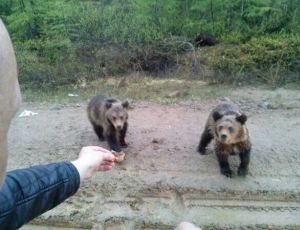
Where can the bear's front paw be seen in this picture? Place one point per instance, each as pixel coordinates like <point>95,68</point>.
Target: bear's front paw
<point>202,150</point>
<point>242,171</point>
<point>124,145</point>
<point>226,171</point>
<point>101,138</point>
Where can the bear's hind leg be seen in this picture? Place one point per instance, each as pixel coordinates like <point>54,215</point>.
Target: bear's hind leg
<point>206,137</point>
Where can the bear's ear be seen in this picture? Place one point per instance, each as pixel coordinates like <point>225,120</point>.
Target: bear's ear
<point>242,119</point>
<point>125,104</point>
<point>108,105</point>
<point>216,115</point>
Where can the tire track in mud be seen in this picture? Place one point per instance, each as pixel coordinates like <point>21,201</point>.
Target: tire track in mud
<point>165,209</point>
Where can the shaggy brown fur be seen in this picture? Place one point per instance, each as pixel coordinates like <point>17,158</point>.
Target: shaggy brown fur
<point>226,125</point>
<point>109,119</point>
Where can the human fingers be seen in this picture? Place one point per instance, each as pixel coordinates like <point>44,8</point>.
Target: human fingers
<point>105,167</point>
<point>108,156</point>
<point>107,163</point>
<point>98,148</point>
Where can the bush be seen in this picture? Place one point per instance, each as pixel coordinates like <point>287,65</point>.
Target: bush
<point>265,58</point>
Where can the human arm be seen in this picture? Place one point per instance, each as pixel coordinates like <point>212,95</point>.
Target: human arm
<point>27,193</point>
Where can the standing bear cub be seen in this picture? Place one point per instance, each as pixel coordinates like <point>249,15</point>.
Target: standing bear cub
<point>226,125</point>
<point>109,119</point>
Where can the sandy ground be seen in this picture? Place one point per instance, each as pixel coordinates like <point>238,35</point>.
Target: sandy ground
<point>163,180</point>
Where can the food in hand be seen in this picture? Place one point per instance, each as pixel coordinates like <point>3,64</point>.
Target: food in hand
<point>119,156</point>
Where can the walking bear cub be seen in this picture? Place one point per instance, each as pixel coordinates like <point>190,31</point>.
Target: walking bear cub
<point>226,125</point>
<point>109,119</point>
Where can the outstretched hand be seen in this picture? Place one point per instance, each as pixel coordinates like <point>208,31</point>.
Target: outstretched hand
<point>93,159</point>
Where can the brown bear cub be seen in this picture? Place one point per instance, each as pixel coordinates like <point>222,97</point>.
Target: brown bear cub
<point>226,125</point>
<point>109,119</point>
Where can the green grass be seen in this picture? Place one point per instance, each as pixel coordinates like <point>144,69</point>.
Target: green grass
<point>136,88</point>
<point>139,88</point>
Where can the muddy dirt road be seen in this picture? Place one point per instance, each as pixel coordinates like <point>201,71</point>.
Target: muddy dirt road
<point>164,180</point>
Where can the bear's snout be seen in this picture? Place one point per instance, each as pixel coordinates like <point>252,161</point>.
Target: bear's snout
<point>119,127</point>
<point>223,136</point>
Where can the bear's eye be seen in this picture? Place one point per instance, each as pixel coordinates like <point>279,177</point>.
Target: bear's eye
<point>121,117</point>
<point>230,129</point>
<point>114,118</point>
<point>220,127</point>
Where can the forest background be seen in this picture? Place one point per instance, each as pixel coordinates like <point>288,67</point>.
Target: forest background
<point>67,42</point>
